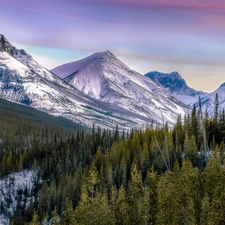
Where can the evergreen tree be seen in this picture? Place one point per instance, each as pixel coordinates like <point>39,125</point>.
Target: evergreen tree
<point>151,196</point>
<point>69,215</point>
<point>35,220</point>
<point>55,218</point>
<point>44,200</point>
<point>135,195</point>
<point>93,180</point>
<point>205,211</point>
<point>122,208</point>
<point>190,149</point>
<point>217,212</point>
<point>83,213</point>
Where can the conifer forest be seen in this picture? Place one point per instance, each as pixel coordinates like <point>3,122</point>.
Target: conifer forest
<point>158,176</point>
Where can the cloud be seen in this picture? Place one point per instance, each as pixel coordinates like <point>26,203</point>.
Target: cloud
<point>64,15</point>
<point>163,4</point>
<point>174,59</point>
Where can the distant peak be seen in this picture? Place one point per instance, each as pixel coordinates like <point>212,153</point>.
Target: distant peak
<point>222,85</point>
<point>175,74</point>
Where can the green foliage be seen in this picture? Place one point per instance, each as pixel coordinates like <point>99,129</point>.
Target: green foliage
<point>156,176</point>
<point>35,220</point>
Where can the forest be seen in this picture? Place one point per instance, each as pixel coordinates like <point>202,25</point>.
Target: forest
<point>158,175</point>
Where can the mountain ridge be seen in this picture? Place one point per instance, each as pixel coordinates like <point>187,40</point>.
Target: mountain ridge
<point>176,85</point>
<point>34,85</point>
<point>108,79</point>
<point>98,89</point>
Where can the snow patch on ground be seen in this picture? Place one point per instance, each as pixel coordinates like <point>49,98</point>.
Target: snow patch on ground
<point>10,186</point>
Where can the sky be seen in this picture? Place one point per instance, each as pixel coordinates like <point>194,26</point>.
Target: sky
<point>187,36</point>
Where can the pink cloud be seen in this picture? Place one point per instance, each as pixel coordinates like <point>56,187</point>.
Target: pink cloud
<point>190,4</point>
<point>50,12</point>
<point>175,59</point>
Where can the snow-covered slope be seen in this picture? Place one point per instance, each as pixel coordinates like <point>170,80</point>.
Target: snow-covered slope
<point>176,85</point>
<point>208,100</point>
<point>24,81</point>
<point>104,77</point>
<point>24,58</point>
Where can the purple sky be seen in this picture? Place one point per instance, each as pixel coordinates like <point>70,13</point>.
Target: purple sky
<point>187,36</point>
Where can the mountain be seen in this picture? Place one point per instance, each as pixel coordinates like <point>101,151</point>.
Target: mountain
<point>104,77</point>
<point>24,81</point>
<point>208,100</point>
<point>176,85</point>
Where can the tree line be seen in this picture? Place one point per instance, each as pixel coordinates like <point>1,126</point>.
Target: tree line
<point>153,176</point>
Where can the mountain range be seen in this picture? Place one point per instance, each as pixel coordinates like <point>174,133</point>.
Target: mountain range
<point>176,86</point>
<point>104,77</point>
<point>98,89</point>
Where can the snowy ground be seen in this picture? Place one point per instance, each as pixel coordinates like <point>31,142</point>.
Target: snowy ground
<point>11,187</point>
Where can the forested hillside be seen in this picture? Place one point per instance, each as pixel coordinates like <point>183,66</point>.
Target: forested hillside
<point>152,176</point>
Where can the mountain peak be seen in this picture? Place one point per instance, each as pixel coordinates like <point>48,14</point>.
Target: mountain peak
<point>172,81</point>
<point>108,53</point>
<point>5,45</point>
<point>167,79</point>
<point>175,74</point>
<point>176,85</point>
<point>222,85</point>
<point>105,54</point>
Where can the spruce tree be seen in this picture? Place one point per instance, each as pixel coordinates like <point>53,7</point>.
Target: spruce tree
<point>35,220</point>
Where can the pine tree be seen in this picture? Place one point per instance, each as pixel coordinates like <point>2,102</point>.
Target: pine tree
<point>122,208</point>
<point>93,180</point>
<point>83,212</point>
<point>145,161</point>
<point>69,215</point>
<point>112,205</point>
<point>190,191</point>
<point>44,200</point>
<point>205,210</point>
<point>190,149</point>
<point>100,210</point>
<point>144,207</point>
<point>35,220</point>
<point>169,202</point>
<point>55,218</point>
<point>135,195</point>
<point>210,175</point>
<point>217,212</point>
<point>151,196</point>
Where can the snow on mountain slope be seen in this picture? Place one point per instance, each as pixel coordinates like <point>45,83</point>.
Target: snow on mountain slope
<point>176,85</point>
<point>24,58</point>
<point>69,68</point>
<point>24,81</point>
<point>104,77</point>
<point>208,100</point>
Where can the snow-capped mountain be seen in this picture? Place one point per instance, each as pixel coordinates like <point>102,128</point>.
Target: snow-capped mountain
<point>209,100</point>
<point>104,77</point>
<point>24,58</point>
<point>176,85</point>
<point>24,81</point>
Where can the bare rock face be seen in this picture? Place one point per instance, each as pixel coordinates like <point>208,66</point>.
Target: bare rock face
<point>5,45</point>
